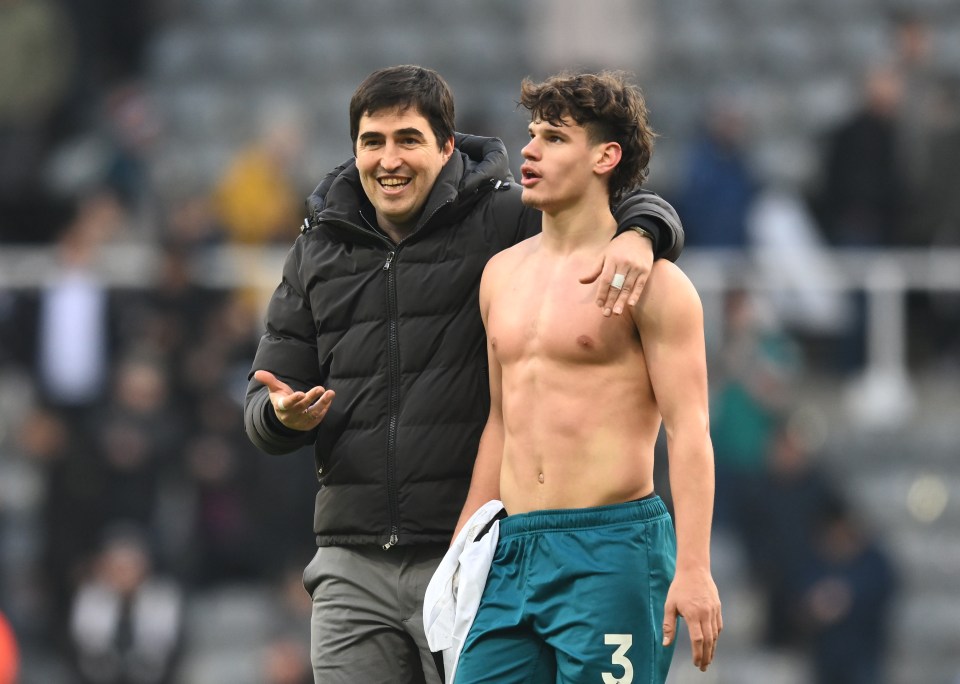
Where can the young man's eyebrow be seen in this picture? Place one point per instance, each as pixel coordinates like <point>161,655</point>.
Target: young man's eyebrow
<point>547,127</point>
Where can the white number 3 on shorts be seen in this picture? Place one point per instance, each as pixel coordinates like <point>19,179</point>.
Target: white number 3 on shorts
<point>623,642</point>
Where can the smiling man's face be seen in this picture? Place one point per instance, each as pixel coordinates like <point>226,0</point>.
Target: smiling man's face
<point>399,159</point>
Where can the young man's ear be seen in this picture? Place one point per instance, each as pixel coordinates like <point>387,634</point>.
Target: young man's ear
<point>609,156</point>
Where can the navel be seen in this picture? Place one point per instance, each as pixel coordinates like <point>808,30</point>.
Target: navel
<point>540,478</point>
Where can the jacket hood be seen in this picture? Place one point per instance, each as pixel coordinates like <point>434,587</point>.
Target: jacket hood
<point>485,160</point>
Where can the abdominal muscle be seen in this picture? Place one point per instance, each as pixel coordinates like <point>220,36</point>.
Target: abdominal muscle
<point>576,436</point>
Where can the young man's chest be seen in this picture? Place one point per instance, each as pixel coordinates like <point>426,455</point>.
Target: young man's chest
<point>542,313</point>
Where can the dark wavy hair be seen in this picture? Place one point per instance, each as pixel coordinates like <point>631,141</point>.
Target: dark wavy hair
<point>403,87</point>
<point>608,107</point>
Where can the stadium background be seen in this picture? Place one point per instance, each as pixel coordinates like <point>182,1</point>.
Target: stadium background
<point>153,160</point>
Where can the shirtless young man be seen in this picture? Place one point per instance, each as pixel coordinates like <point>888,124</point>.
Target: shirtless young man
<point>590,573</point>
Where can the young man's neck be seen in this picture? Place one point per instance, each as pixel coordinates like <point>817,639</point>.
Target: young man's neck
<point>585,224</point>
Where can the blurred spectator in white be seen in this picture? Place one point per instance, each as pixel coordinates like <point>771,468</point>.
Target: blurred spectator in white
<point>258,199</point>
<point>717,185</point>
<point>864,186</point>
<point>126,619</point>
<point>73,336</point>
<point>794,260</point>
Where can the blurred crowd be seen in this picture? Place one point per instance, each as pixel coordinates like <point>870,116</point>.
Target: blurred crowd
<point>127,485</point>
<point>826,578</point>
<point>130,480</point>
<point>884,178</point>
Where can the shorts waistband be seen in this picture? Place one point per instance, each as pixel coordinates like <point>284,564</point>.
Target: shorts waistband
<point>643,510</point>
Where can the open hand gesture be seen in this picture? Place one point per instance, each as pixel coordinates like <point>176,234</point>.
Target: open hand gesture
<point>296,410</point>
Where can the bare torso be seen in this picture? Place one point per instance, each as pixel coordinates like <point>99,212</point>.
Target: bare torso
<point>580,417</point>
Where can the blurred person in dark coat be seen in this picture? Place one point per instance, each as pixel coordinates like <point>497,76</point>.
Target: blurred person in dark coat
<point>844,591</point>
<point>864,185</point>
<point>718,185</point>
<point>784,508</point>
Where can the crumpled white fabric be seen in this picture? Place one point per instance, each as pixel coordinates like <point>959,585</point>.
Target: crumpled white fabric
<point>453,595</point>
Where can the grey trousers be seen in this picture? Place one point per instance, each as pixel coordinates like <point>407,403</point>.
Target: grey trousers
<point>367,621</point>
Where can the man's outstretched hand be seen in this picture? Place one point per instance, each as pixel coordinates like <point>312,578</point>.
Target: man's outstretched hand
<point>296,410</point>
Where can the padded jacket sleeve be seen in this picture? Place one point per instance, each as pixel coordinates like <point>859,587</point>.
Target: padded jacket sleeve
<point>288,350</point>
<point>648,210</point>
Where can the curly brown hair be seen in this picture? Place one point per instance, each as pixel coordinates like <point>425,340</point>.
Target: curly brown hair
<point>608,107</point>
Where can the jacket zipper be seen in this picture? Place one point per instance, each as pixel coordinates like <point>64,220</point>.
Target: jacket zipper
<point>393,357</point>
<point>393,364</point>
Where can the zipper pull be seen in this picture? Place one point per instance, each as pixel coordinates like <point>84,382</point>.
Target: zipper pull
<point>393,538</point>
<point>386,266</point>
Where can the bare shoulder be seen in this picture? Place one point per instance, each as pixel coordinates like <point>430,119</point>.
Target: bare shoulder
<point>501,265</point>
<point>505,261</point>
<point>668,293</point>
<point>510,256</point>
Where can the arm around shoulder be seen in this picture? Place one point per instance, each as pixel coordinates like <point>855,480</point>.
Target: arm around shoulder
<point>647,210</point>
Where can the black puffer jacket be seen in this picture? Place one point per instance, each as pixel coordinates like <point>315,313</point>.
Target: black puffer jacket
<point>395,330</point>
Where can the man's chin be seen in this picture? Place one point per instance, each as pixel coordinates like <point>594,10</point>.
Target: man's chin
<point>530,199</point>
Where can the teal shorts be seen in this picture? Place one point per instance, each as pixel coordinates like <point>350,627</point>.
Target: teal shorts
<point>575,596</point>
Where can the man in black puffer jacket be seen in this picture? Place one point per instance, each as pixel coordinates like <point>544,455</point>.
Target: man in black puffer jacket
<point>377,307</point>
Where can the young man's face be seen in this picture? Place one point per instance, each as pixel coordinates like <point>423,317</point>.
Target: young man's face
<point>559,165</point>
<point>399,159</point>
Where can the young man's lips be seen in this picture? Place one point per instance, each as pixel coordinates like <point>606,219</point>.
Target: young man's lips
<point>527,175</point>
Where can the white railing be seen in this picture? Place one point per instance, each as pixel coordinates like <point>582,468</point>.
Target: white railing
<point>883,392</point>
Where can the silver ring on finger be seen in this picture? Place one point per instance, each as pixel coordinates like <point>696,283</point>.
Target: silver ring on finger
<point>618,280</point>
